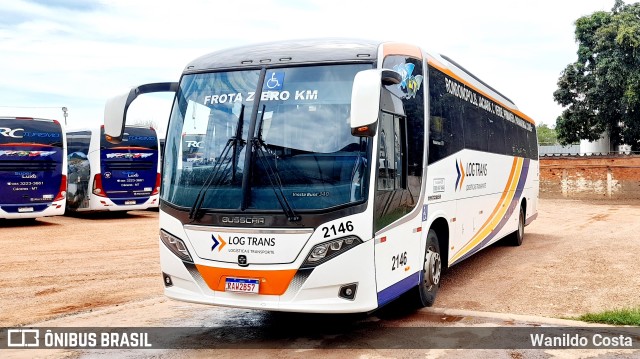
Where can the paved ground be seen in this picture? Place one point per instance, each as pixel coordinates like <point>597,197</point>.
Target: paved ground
<point>286,335</point>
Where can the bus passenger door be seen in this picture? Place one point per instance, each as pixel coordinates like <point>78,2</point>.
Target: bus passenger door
<point>79,169</point>
<point>397,238</point>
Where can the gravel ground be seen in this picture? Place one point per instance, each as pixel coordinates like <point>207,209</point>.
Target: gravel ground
<point>577,257</point>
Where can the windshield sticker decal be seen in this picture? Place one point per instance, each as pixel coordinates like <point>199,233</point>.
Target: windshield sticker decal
<point>27,153</point>
<point>411,84</point>
<point>310,194</point>
<point>274,81</point>
<point>128,155</point>
<point>297,95</point>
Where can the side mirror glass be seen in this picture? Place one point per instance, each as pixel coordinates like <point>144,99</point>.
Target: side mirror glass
<point>390,77</point>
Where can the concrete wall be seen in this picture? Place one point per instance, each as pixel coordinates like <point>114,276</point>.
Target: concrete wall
<point>557,149</point>
<point>587,177</point>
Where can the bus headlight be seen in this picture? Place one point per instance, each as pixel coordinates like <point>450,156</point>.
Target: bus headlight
<point>322,252</point>
<point>176,245</point>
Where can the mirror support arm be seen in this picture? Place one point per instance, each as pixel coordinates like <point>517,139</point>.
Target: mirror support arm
<point>115,110</point>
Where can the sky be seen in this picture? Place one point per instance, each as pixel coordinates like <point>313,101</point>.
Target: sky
<point>77,54</point>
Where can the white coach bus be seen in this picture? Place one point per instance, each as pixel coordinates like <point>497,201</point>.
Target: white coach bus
<point>108,177</point>
<point>334,175</point>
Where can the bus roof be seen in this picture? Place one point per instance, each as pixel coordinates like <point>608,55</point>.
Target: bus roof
<point>27,118</point>
<point>288,52</point>
<point>332,50</point>
<point>98,127</point>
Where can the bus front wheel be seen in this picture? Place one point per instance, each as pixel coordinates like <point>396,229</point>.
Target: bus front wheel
<point>431,271</point>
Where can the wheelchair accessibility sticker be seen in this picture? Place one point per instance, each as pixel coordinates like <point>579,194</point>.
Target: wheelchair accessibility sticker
<point>274,81</point>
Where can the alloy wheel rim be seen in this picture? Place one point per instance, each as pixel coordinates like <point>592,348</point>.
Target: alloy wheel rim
<point>432,268</point>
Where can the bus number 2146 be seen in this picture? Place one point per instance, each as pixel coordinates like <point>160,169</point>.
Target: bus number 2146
<point>399,260</point>
<point>341,228</point>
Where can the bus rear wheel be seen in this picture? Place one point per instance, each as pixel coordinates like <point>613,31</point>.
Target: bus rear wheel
<point>515,239</point>
<point>431,272</point>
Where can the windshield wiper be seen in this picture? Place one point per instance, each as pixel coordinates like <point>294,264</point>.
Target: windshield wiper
<point>217,174</point>
<point>272,174</point>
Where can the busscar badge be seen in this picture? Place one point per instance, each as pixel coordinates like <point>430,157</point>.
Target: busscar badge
<point>242,260</point>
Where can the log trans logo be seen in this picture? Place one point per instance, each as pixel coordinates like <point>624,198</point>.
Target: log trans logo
<point>471,169</point>
<point>217,242</point>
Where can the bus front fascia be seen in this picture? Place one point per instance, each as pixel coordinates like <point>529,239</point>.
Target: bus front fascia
<point>115,109</point>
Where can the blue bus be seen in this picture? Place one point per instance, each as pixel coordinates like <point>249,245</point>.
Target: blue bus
<point>33,168</point>
<point>108,177</point>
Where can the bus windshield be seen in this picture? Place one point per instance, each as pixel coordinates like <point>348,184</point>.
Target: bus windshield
<point>303,145</point>
<point>31,161</point>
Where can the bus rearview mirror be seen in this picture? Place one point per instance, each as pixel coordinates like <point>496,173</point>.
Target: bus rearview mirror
<point>115,116</point>
<point>365,99</point>
<point>115,109</point>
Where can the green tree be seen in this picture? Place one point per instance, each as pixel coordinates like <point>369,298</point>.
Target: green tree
<point>546,135</point>
<point>601,90</point>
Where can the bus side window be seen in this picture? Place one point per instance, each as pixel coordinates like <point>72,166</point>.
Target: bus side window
<point>446,133</point>
<point>392,199</point>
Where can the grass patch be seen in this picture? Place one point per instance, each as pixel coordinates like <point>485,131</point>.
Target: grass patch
<point>630,316</point>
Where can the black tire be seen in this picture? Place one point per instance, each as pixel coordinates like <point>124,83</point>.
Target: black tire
<point>515,238</point>
<point>431,272</point>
